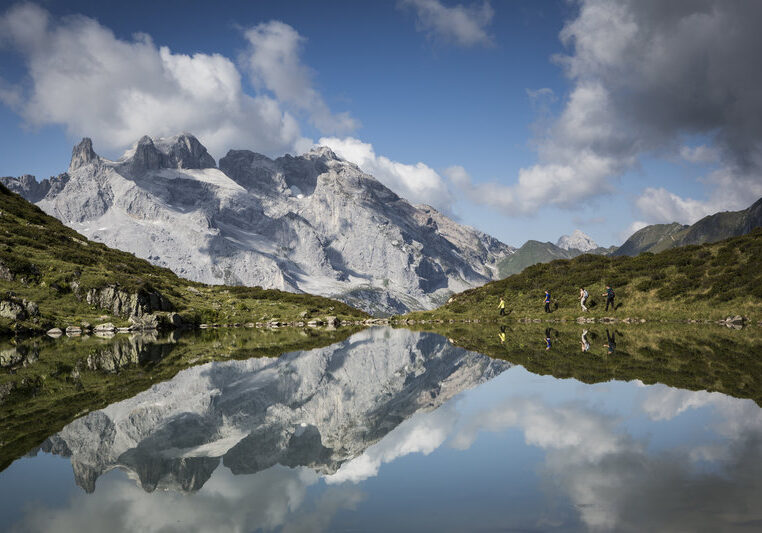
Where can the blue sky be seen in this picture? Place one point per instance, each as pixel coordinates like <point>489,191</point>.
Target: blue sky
<point>524,119</point>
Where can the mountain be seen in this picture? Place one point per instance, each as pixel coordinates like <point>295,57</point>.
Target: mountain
<point>534,252</point>
<point>712,228</point>
<point>50,275</point>
<point>312,223</point>
<point>531,253</point>
<point>317,408</point>
<point>577,241</point>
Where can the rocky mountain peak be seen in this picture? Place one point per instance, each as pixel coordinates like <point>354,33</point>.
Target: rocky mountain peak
<point>180,151</point>
<point>577,241</point>
<point>82,154</point>
<point>322,152</point>
<point>184,151</point>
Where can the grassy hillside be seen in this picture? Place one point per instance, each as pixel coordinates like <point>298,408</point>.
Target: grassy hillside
<point>710,281</point>
<point>689,357</point>
<point>533,252</point>
<point>45,383</point>
<point>45,262</point>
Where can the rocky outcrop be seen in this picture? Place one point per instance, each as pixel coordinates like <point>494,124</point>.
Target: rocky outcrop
<point>82,154</point>
<point>16,309</point>
<point>5,273</point>
<point>128,304</point>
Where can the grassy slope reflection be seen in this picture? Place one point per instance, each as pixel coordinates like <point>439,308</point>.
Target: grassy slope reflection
<point>709,358</point>
<point>46,384</point>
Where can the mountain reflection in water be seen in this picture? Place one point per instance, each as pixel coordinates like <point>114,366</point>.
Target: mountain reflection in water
<point>397,430</point>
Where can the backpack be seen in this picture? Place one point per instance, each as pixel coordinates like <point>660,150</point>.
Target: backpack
<point>585,294</point>
<point>611,293</point>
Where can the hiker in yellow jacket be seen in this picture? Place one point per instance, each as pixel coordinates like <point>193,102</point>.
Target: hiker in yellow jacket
<point>501,306</point>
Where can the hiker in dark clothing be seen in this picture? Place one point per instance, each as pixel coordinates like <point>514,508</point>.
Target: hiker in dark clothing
<point>611,344</point>
<point>547,301</point>
<point>547,339</point>
<point>609,294</point>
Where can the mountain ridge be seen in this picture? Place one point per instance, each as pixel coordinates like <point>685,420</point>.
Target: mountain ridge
<point>310,223</point>
<point>712,228</point>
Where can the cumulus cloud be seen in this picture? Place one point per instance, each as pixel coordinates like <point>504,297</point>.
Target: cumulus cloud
<point>274,64</point>
<point>461,25</point>
<point>645,75</point>
<point>661,206</point>
<point>418,183</point>
<point>83,77</point>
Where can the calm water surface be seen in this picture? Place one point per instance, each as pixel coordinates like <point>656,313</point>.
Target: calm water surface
<point>392,430</point>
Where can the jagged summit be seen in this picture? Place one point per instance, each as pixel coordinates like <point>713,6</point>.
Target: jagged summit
<point>577,241</point>
<point>82,154</point>
<point>179,151</point>
<point>324,152</point>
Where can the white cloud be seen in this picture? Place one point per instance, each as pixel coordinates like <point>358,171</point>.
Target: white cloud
<point>417,183</point>
<point>422,433</point>
<point>274,64</point>
<point>661,206</point>
<point>701,154</point>
<point>84,78</point>
<point>459,24</point>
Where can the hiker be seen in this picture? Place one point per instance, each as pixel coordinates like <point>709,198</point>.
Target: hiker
<point>609,294</point>
<point>611,344</point>
<point>547,301</point>
<point>585,343</point>
<point>583,298</point>
<point>501,306</point>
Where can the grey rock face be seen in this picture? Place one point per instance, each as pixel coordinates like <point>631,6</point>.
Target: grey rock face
<point>32,190</point>
<point>318,408</point>
<point>313,223</point>
<point>128,304</point>
<point>82,154</point>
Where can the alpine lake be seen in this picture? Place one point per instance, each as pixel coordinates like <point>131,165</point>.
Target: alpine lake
<point>647,427</point>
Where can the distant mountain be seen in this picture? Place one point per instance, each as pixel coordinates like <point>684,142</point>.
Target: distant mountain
<point>577,241</point>
<point>533,252</point>
<point>712,228</point>
<point>313,223</point>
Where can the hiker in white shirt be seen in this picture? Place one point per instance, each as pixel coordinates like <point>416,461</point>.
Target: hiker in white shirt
<point>583,298</point>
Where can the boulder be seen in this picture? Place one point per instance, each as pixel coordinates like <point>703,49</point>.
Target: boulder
<point>54,332</point>
<point>13,309</point>
<point>5,272</point>
<point>107,327</point>
<point>73,330</point>
<point>145,322</point>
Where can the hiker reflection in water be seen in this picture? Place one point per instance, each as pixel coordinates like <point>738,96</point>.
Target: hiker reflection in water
<point>585,343</point>
<point>611,344</point>
<point>547,339</point>
<point>501,335</point>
